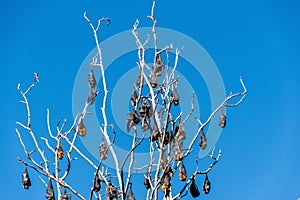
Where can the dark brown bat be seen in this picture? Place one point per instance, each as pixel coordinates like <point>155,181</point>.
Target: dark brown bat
<point>153,81</point>
<point>206,185</point>
<point>133,120</point>
<point>97,184</point>
<point>136,118</point>
<point>180,132</point>
<point>26,183</point>
<point>111,192</point>
<point>130,195</point>
<point>166,183</point>
<point>103,150</point>
<point>182,172</point>
<point>159,66</point>
<point>147,182</point>
<point>134,98</point>
<point>149,111</point>
<point>222,120</point>
<point>164,159</point>
<point>177,152</point>
<point>140,80</point>
<point>91,97</point>
<point>49,191</point>
<point>81,129</point>
<point>145,125</point>
<point>203,140</point>
<point>194,189</point>
<point>92,79</point>
<point>175,96</point>
<point>143,109</point>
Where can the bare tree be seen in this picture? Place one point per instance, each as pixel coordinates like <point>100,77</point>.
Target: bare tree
<point>152,100</point>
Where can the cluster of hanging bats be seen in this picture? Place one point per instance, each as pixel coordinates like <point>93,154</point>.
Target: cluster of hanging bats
<point>141,114</point>
<point>49,191</point>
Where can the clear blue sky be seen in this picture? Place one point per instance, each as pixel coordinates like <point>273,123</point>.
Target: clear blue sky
<point>258,40</point>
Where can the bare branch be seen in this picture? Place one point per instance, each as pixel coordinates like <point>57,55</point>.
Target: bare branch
<point>154,26</point>
<point>48,145</point>
<point>57,171</point>
<point>155,108</point>
<point>68,168</point>
<point>131,152</point>
<point>29,124</point>
<point>103,108</point>
<point>242,94</point>
<point>48,124</point>
<point>192,109</point>
<point>192,177</point>
<point>28,154</point>
<point>202,125</point>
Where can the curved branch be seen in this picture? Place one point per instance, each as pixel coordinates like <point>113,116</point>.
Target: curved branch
<point>192,177</point>
<point>202,125</point>
<point>103,108</point>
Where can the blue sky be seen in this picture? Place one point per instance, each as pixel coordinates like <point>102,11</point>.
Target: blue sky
<point>258,40</point>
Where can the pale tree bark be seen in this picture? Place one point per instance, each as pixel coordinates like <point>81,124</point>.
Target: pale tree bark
<point>152,111</point>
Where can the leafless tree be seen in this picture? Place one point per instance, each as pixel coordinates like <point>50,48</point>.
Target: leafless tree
<point>153,97</point>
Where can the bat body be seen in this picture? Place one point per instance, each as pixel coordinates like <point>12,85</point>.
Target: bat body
<point>26,183</point>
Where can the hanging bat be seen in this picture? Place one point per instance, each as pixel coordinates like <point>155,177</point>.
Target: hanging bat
<point>130,195</point>
<point>26,183</point>
<point>50,192</point>
<point>134,98</point>
<point>180,132</point>
<point>136,118</point>
<point>81,129</point>
<point>164,160</point>
<point>60,151</point>
<point>194,189</point>
<point>133,120</point>
<point>222,120</point>
<point>149,111</point>
<point>92,79</point>
<point>97,184</point>
<point>111,192</point>
<point>206,185</point>
<point>143,109</point>
<point>175,96</point>
<point>177,152</point>
<point>182,172</point>
<point>91,97</point>
<point>147,182</point>
<point>153,81</point>
<point>145,125</point>
<point>140,80</point>
<point>103,150</point>
<point>158,67</point>
<point>166,138</point>
<point>203,140</point>
<point>166,183</point>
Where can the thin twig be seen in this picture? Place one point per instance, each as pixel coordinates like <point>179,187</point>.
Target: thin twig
<point>103,108</point>
<point>192,110</point>
<point>202,125</point>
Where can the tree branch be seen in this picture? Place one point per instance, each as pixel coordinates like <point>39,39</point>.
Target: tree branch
<point>192,177</point>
